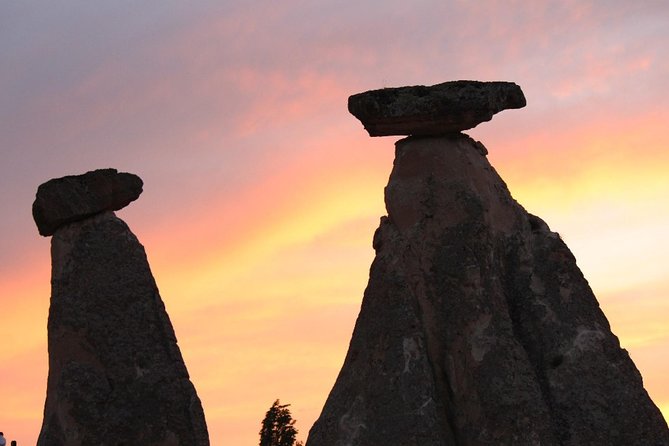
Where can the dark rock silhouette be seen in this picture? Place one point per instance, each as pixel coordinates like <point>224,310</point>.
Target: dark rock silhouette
<point>441,109</point>
<point>72,198</point>
<point>116,375</point>
<point>477,327</point>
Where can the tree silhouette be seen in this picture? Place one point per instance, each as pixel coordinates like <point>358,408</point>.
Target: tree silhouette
<point>278,427</point>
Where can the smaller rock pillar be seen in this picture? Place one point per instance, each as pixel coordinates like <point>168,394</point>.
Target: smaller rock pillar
<point>116,374</point>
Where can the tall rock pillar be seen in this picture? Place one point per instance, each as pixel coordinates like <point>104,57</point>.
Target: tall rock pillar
<point>116,374</point>
<point>476,327</point>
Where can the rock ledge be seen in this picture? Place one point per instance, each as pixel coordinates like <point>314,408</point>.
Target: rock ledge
<point>441,109</point>
<point>75,197</point>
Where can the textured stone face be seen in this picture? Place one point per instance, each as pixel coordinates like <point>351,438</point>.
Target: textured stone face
<point>116,375</point>
<point>72,198</point>
<point>477,327</point>
<point>441,109</point>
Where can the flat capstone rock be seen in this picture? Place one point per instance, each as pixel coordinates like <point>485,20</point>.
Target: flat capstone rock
<point>441,109</point>
<point>76,197</point>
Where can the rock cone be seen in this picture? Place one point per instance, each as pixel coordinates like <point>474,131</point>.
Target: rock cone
<point>440,109</point>
<point>116,375</point>
<point>477,327</point>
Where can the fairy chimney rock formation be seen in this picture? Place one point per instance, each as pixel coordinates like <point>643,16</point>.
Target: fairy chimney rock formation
<point>477,327</point>
<point>440,109</point>
<point>116,374</point>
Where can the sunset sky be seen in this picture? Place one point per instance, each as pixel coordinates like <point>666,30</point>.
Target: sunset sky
<point>262,193</point>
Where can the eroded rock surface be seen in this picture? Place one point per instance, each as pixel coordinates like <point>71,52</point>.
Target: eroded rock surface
<point>477,327</point>
<point>72,198</point>
<point>440,109</point>
<point>116,374</point>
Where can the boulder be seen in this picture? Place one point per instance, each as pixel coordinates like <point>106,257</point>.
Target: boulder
<point>440,109</point>
<point>72,198</point>
<point>477,327</point>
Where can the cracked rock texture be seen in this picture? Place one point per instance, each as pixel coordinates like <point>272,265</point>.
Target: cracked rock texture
<point>477,327</point>
<point>116,374</point>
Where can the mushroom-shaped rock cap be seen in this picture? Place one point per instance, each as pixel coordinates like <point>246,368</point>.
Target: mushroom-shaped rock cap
<point>437,110</point>
<point>76,197</point>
